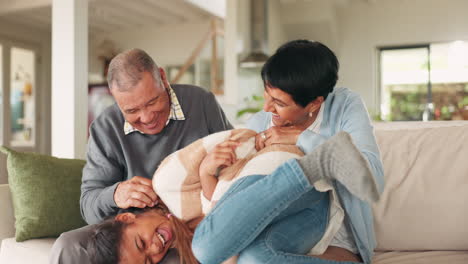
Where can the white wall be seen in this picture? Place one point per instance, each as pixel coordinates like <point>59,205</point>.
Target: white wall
<point>167,44</point>
<point>364,27</point>
<point>95,64</point>
<point>276,33</point>
<point>313,20</point>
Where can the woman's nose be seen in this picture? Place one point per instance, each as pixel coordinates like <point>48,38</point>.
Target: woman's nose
<point>268,106</point>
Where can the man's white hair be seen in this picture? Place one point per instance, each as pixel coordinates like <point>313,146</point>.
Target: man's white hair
<point>127,68</point>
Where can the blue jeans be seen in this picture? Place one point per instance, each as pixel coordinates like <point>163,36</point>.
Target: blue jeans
<point>276,218</point>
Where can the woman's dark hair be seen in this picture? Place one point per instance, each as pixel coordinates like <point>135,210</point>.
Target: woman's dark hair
<point>302,68</point>
<point>104,245</point>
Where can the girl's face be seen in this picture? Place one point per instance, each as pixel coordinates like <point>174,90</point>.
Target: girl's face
<point>285,112</point>
<point>146,238</point>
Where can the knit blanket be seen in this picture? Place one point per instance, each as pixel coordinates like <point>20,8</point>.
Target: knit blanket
<point>177,180</point>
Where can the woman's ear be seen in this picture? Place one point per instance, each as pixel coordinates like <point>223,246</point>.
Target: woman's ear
<point>313,106</point>
<point>126,218</point>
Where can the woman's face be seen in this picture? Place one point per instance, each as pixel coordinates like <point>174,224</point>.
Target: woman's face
<point>146,238</point>
<point>285,112</point>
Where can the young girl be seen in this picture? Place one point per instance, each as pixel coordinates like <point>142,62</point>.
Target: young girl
<point>143,236</point>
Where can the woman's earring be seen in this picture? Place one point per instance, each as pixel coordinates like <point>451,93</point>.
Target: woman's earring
<point>311,114</point>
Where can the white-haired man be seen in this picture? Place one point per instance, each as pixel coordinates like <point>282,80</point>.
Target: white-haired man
<point>128,141</point>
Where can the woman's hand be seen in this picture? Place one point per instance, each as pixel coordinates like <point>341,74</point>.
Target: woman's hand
<point>277,135</point>
<point>223,155</point>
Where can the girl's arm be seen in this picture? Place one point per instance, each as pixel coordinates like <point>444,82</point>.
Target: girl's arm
<point>208,183</point>
<point>223,155</point>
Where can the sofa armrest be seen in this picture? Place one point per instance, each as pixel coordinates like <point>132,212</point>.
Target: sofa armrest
<point>7,219</point>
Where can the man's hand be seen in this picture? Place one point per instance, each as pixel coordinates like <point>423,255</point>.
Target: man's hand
<point>277,135</point>
<point>136,192</point>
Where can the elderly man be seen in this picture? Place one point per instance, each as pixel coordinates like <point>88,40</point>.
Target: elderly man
<point>129,140</point>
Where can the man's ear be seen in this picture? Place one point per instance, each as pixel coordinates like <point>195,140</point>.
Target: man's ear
<point>126,218</point>
<point>313,106</point>
<point>164,78</point>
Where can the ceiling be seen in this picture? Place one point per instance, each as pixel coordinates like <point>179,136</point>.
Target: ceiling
<point>107,16</point>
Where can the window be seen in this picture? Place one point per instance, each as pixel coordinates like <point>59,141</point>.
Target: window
<point>19,126</point>
<point>426,82</point>
<point>22,90</point>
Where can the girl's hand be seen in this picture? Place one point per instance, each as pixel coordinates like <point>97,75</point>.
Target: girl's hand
<point>223,154</point>
<point>277,135</point>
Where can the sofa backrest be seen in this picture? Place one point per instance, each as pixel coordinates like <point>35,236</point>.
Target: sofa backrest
<point>3,169</point>
<point>424,204</point>
<point>7,219</point>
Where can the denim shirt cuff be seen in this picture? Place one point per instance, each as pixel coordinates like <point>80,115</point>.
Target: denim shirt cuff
<point>309,140</point>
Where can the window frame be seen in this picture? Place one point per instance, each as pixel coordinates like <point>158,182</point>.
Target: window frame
<point>380,49</point>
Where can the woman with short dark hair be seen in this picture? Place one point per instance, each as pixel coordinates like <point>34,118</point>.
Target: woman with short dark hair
<point>303,107</point>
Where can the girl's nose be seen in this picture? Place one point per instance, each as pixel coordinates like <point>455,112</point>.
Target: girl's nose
<point>155,248</point>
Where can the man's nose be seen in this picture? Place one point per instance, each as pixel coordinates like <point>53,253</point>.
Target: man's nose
<point>146,116</point>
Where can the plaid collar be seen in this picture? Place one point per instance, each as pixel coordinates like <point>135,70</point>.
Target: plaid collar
<point>176,113</point>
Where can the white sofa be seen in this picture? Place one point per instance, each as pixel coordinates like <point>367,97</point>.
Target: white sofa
<point>422,216</point>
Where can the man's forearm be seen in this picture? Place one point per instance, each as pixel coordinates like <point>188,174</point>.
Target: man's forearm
<point>97,203</point>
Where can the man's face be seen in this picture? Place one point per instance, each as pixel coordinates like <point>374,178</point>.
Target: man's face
<point>145,106</point>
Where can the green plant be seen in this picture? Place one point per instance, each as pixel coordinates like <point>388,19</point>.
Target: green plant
<point>254,104</point>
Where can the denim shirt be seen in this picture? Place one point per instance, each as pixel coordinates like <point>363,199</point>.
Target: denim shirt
<point>344,111</point>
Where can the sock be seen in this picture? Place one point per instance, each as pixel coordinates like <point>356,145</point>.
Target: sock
<point>339,159</point>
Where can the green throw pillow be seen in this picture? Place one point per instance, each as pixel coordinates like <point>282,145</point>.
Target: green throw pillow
<point>46,192</point>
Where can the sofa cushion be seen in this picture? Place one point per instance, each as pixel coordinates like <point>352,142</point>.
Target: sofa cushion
<point>45,193</point>
<point>421,257</point>
<point>31,251</point>
<point>423,206</point>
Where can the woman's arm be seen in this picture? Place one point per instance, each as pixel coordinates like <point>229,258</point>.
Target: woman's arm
<point>356,121</point>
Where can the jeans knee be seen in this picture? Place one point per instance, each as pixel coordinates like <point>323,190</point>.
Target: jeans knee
<point>202,253</point>
<point>207,252</point>
<point>252,255</point>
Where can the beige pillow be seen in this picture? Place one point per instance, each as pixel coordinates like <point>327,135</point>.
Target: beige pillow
<point>425,202</point>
